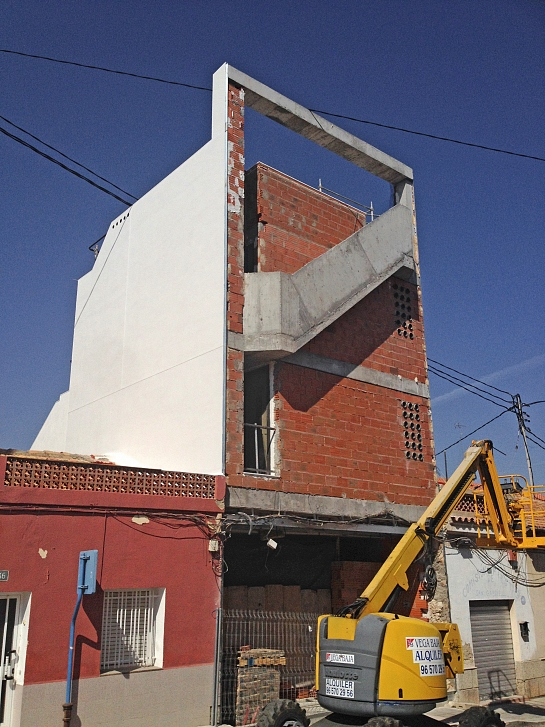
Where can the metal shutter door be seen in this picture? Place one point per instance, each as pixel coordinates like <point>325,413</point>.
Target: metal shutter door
<point>493,648</point>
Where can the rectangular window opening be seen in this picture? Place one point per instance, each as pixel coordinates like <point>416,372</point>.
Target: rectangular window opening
<point>258,433</point>
<point>132,629</point>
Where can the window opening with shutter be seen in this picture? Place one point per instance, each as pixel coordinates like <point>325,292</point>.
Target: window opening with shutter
<point>129,629</point>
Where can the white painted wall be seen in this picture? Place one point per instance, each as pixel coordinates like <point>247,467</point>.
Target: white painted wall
<point>469,579</point>
<point>54,428</point>
<point>147,382</point>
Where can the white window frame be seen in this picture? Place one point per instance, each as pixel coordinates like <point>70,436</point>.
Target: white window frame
<point>132,629</point>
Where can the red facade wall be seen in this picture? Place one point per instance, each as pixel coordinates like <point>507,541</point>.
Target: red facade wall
<point>171,554</point>
<point>52,510</point>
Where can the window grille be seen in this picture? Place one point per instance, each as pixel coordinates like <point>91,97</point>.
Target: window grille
<point>129,629</point>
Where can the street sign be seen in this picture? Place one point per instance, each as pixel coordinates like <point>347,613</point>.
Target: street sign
<point>87,572</point>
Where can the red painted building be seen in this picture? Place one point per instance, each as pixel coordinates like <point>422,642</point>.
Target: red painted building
<point>145,640</point>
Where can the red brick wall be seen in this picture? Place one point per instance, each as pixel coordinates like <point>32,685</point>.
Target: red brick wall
<point>235,280</point>
<point>335,436</point>
<point>344,438</point>
<point>296,223</point>
<point>372,333</point>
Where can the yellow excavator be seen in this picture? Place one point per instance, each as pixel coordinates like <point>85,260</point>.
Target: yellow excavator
<point>383,669</point>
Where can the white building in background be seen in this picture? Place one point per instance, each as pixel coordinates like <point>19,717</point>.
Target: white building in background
<point>496,598</point>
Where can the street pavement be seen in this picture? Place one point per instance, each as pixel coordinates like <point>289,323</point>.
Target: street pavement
<point>530,713</point>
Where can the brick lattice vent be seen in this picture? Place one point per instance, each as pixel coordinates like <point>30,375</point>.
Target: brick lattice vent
<point>412,430</point>
<point>106,478</point>
<point>403,311</point>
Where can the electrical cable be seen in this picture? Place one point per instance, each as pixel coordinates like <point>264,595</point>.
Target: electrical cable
<point>475,430</point>
<point>313,111</point>
<point>467,376</point>
<point>63,166</point>
<point>451,380</point>
<point>107,70</point>
<point>534,434</point>
<point>67,157</point>
<point>431,136</point>
<point>535,442</point>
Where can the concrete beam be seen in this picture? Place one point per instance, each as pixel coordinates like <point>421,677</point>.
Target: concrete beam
<point>263,99</point>
<point>359,373</point>
<point>286,503</point>
<point>283,312</point>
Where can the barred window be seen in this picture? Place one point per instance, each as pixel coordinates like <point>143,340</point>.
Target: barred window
<point>132,629</point>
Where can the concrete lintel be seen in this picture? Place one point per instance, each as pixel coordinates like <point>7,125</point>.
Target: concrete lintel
<point>283,312</point>
<point>359,373</point>
<point>272,104</point>
<point>317,527</point>
<point>284,503</point>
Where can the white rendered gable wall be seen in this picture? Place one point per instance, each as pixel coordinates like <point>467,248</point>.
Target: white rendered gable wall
<point>147,383</point>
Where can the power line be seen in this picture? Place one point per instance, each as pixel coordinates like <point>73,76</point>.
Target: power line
<point>317,111</point>
<point>63,166</point>
<point>431,136</point>
<point>474,431</point>
<point>533,433</point>
<point>451,380</point>
<point>57,151</point>
<point>467,376</point>
<point>107,70</point>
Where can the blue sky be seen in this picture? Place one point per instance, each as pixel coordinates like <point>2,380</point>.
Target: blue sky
<point>467,70</point>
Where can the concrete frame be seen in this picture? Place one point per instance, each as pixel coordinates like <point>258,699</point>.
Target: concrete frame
<point>283,312</point>
<point>293,116</point>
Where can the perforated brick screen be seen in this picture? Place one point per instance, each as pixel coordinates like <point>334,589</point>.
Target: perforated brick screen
<point>51,475</point>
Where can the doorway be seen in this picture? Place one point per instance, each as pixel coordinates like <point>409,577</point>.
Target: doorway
<point>13,621</point>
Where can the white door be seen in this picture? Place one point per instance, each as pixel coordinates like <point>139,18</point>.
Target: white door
<point>9,608</point>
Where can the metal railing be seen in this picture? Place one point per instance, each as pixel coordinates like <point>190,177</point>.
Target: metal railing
<point>258,442</point>
<point>526,506</point>
<point>293,633</point>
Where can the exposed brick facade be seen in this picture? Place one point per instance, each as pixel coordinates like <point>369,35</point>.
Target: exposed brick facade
<point>335,436</point>
<point>235,281</point>
<point>294,223</point>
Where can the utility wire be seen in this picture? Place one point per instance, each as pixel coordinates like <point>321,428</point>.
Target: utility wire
<point>107,70</point>
<point>467,376</point>
<point>434,371</point>
<point>63,166</point>
<point>473,432</point>
<point>430,136</point>
<point>317,111</point>
<point>533,434</point>
<point>535,441</point>
<point>57,151</point>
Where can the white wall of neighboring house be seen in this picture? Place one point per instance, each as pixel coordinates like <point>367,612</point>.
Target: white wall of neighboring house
<point>147,381</point>
<point>471,579</point>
